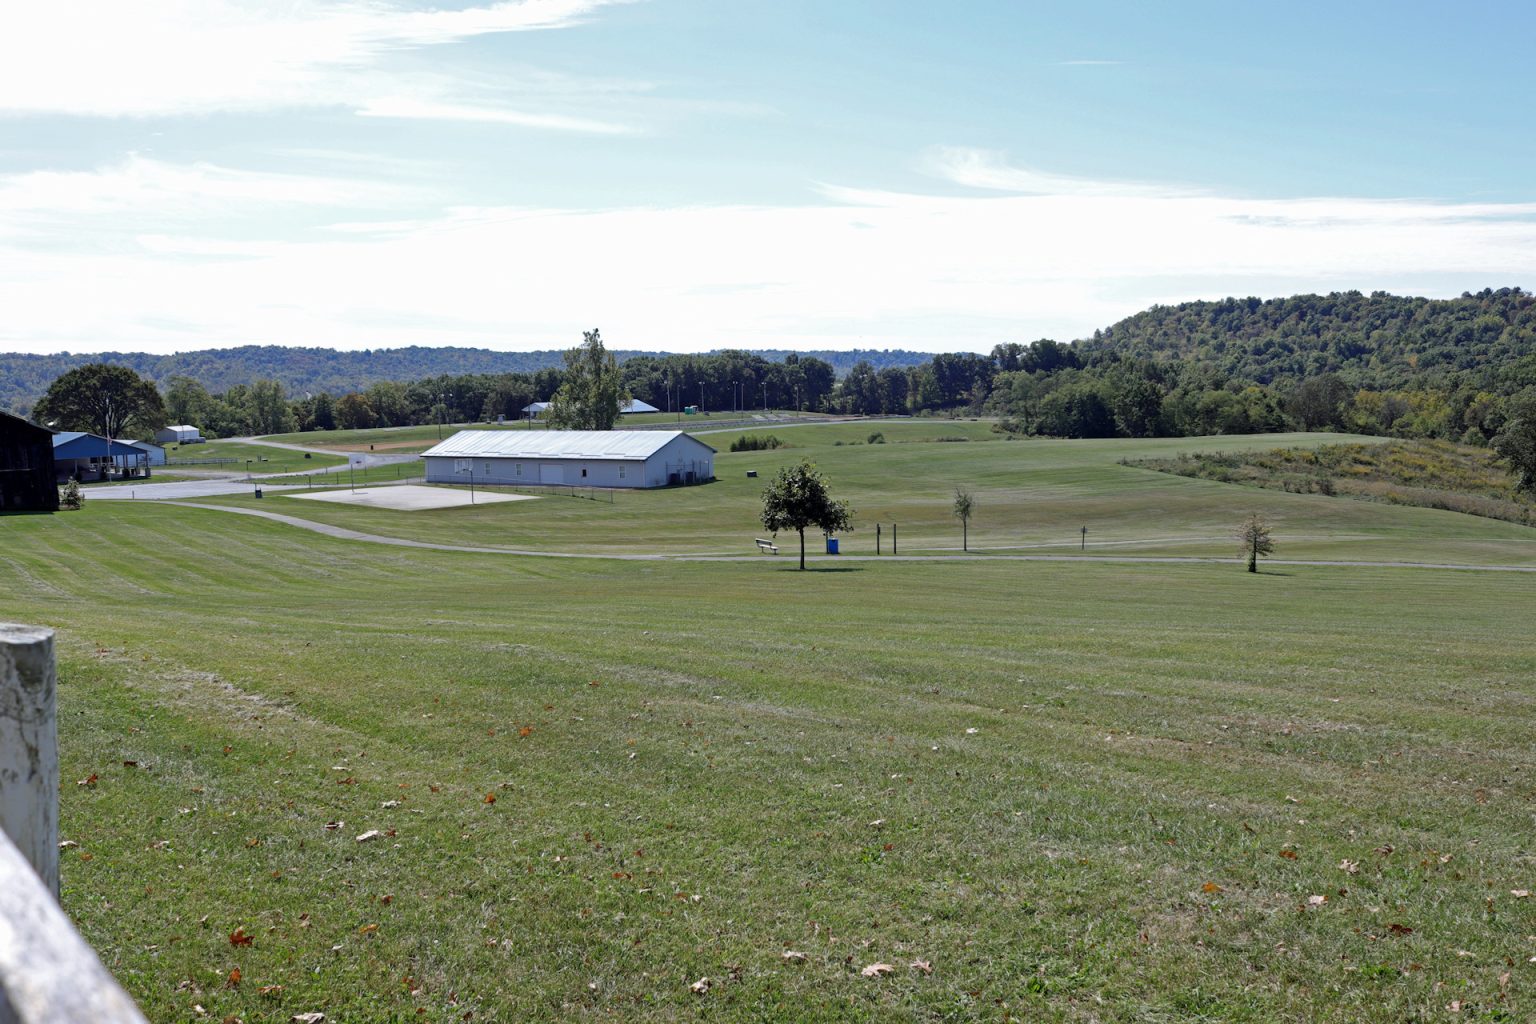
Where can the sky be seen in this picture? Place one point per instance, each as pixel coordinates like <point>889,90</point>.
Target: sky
<point>696,174</point>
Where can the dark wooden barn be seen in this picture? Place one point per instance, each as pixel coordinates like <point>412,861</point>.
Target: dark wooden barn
<point>26,467</point>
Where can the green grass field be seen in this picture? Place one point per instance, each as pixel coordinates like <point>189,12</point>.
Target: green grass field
<point>1078,791</point>
<point>420,438</point>
<point>264,459</point>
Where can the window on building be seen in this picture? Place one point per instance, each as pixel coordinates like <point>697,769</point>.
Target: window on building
<point>517,469</point>
<point>583,472</point>
<point>622,470</point>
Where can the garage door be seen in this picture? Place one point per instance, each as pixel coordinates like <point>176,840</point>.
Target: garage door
<point>551,473</point>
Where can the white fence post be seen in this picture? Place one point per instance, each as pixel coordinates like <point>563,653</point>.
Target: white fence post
<point>48,975</point>
<point>29,748</point>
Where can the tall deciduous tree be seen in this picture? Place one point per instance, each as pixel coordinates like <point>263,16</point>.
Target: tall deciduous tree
<point>1516,442</point>
<point>102,399</point>
<point>593,392</point>
<point>1254,534</point>
<point>797,498</point>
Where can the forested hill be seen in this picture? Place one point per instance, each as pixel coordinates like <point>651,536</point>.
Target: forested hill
<point>24,378</point>
<point>1378,341</point>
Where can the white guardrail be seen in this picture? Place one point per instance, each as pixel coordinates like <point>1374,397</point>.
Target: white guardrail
<point>48,975</point>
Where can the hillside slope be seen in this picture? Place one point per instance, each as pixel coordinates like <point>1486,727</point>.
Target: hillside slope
<point>1486,340</point>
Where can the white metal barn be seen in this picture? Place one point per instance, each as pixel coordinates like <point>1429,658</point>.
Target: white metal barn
<point>575,458</point>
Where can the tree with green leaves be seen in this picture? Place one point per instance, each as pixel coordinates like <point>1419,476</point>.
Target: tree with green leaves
<point>1254,534</point>
<point>593,392</point>
<point>798,498</point>
<point>965,505</point>
<point>1516,442</point>
<point>102,399</point>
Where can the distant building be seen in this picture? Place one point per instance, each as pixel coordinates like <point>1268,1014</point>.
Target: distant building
<point>26,467</point>
<point>182,434</point>
<point>577,458</point>
<point>89,457</point>
<point>534,410</point>
<point>155,452</point>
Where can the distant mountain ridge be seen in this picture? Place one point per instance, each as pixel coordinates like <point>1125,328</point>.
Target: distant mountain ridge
<point>24,378</point>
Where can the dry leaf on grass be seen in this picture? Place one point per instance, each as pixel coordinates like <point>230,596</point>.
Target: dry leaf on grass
<point>1349,867</point>
<point>233,981</point>
<point>239,938</point>
<point>1520,894</point>
<point>701,986</point>
<point>877,970</point>
<point>1210,887</point>
<point>369,836</point>
<point>921,966</point>
<point>307,1018</point>
<point>1316,901</point>
<point>793,956</point>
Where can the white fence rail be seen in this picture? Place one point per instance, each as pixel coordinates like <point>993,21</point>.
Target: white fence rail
<point>48,975</point>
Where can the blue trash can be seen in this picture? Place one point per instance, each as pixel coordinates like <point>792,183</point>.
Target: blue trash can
<point>831,545</point>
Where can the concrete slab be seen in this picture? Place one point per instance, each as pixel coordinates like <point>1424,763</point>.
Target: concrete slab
<point>409,497</point>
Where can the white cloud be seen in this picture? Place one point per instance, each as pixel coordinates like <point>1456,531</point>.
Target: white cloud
<point>981,168</point>
<point>407,107</point>
<point>858,267</point>
<point>172,57</point>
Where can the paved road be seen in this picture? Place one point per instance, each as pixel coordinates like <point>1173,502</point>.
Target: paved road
<point>374,538</point>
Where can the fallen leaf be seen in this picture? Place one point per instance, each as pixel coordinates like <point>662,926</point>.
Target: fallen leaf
<point>306,1018</point>
<point>526,730</point>
<point>369,836</point>
<point>368,929</point>
<point>270,990</point>
<point>1454,1006</point>
<point>233,981</point>
<point>1349,867</point>
<point>970,732</point>
<point>1210,887</point>
<point>877,823</point>
<point>1316,901</point>
<point>89,780</point>
<point>332,826</point>
<point>1288,854</point>
<point>490,798</point>
<point>877,970</point>
<point>1520,894</point>
<point>921,966</point>
<point>1399,929</point>
<point>239,938</point>
<point>793,956</point>
<point>701,986</point>
<point>390,804</point>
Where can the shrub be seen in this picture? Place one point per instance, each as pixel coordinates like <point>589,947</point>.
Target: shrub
<point>71,497</point>
<point>754,443</point>
<point>877,438</point>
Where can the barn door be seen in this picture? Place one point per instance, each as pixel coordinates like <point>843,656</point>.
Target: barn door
<point>550,473</point>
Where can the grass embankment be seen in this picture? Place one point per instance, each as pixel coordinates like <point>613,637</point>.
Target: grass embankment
<point>1032,497</point>
<point>1428,474</point>
<point>1076,791</point>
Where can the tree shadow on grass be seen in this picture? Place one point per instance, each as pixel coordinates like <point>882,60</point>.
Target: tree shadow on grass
<point>826,568</point>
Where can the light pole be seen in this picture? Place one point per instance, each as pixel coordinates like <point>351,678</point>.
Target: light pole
<point>701,396</point>
<point>733,398</point>
<point>765,396</point>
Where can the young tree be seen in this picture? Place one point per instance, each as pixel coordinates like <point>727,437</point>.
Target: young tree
<point>797,498</point>
<point>1254,533</point>
<point>593,392</point>
<point>965,504</point>
<point>102,399</point>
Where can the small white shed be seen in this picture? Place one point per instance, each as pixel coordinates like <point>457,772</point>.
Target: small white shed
<point>575,458</point>
<point>154,452</point>
<point>182,434</point>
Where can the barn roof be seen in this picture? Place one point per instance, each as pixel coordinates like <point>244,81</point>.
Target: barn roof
<point>624,445</point>
<point>77,444</point>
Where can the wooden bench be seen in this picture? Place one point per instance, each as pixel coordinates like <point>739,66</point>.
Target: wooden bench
<point>767,546</point>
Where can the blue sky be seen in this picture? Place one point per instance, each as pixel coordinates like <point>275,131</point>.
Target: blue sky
<point>180,174</point>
